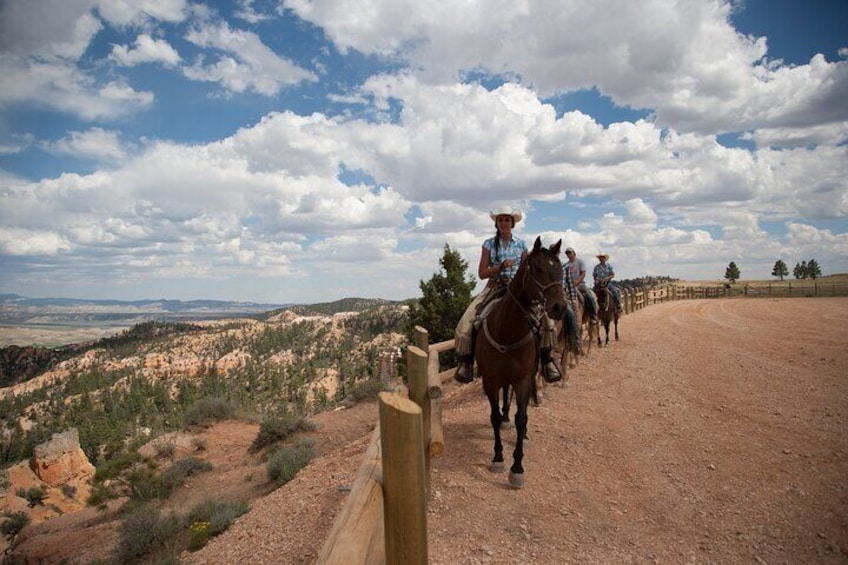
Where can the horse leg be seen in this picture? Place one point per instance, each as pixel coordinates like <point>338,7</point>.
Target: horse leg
<point>495,417</point>
<point>505,423</point>
<point>516,472</point>
<point>616,327</point>
<point>598,329</point>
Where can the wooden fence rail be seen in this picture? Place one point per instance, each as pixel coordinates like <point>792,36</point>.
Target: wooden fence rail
<point>384,518</point>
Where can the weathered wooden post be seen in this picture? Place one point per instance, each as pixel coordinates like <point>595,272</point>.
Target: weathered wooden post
<point>416,365</point>
<point>404,480</point>
<point>422,339</point>
<point>434,392</point>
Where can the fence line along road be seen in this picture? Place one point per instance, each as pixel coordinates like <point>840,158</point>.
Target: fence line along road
<point>384,517</point>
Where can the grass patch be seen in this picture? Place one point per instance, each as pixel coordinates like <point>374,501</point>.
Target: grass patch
<point>180,470</point>
<point>219,514</point>
<point>13,522</point>
<point>279,428</point>
<point>211,409</point>
<point>366,390</point>
<point>145,531</point>
<point>285,462</point>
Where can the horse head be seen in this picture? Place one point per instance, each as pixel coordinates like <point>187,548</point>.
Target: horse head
<point>540,279</point>
<point>602,293</point>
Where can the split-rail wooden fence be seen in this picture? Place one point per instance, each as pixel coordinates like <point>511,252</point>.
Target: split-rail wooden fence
<point>384,517</point>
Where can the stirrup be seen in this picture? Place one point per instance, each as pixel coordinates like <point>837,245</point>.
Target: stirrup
<point>551,373</point>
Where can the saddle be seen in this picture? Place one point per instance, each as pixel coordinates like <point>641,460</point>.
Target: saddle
<point>485,309</point>
<point>581,295</point>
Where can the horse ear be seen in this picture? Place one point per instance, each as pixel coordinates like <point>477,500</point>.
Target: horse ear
<point>555,247</point>
<point>538,245</point>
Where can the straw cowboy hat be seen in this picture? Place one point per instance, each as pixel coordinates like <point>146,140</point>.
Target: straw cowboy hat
<point>604,255</point>
<point>517,216</point>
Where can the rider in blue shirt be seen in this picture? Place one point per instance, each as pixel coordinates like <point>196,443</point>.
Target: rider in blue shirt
<point>603,273</point>
<point>499,261</point>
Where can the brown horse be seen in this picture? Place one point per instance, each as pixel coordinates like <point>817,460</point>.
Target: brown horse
<point>567,341</point>
<point>507,349</point>
<point>606,312</point>
<point>588,327</point>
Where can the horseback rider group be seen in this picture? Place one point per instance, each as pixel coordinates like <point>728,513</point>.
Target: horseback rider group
<point>500,257</point>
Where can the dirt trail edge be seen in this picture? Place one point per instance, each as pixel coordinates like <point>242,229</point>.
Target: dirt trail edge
<point>713,432</point>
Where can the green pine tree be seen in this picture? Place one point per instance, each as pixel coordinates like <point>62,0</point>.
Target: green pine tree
<point>444,297</point>
<point>732,273</point>
<point>813,269</point>
<point>780,269</point>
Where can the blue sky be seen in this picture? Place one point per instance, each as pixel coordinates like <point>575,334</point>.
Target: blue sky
<point>297,151</point>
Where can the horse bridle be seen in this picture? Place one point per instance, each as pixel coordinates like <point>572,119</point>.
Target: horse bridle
<point>534,317</point>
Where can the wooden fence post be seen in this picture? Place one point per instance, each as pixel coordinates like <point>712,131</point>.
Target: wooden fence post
<point>422,339</point>
<point>416,373</point>
<point>434,392</point>
<point>404,490</point>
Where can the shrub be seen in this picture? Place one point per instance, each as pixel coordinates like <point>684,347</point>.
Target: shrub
<point>144,484</point>
<point>198,443</point>
<point>364,390</point>
<point>198,535</point>
<point>70,491</point>
<point>100,495</point>
<point>165,449</point>
<point>208,409</point>
<point>114,467</point>
<point>219,514</point>
<point>176,474</point>
<point>284,463</point>
<point>33,495</point>
<point>143,531</point>
<point>279,428</point>
<point>14,522</point>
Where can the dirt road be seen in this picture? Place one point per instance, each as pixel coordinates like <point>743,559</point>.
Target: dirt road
<point>715,431</point>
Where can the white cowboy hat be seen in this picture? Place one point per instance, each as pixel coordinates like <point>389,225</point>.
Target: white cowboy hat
<point>604,255</point>
<point>517,216</point>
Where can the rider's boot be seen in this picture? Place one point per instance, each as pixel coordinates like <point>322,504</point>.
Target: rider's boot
<point>550,370</point>
<point>465,371</point>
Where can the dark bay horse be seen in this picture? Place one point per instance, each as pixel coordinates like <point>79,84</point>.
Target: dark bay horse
<point>507,344</point>
<point>567,340</point>
<point>588,328</point>
<point>606,312</point>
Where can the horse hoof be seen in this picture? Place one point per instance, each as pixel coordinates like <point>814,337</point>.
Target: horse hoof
<point>516,480</point>
<point>497,467</point>
<point>507,425</point>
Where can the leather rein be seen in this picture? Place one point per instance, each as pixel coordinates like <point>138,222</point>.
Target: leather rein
<point>533,316</point>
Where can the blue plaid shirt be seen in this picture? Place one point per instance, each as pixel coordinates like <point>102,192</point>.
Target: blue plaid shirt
<point>601,272</point>
<point>514,249</point>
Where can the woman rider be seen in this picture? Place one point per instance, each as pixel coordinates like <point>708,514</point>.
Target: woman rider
<point>500,258</point>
